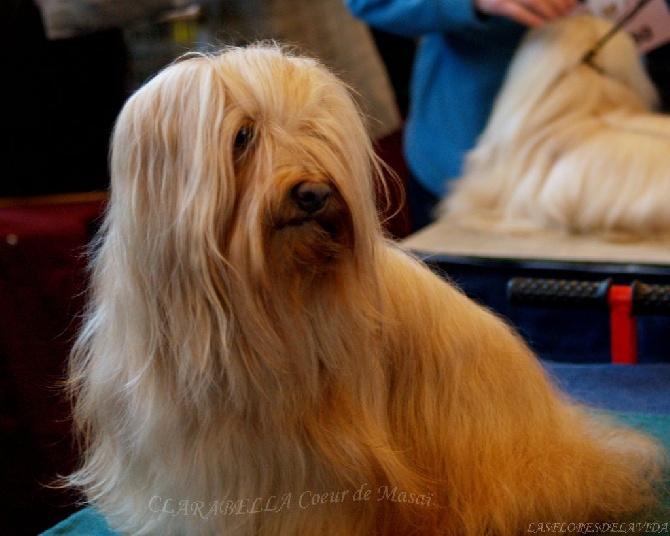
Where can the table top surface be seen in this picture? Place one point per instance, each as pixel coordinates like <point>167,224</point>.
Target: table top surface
<point>447,239</point>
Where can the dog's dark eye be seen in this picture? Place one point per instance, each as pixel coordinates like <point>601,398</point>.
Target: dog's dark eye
<point>243,137</point>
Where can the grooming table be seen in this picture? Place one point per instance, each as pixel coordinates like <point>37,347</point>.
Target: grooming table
<point>483,264</point>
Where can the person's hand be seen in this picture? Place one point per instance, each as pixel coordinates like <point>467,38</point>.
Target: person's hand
<point>528,12</point>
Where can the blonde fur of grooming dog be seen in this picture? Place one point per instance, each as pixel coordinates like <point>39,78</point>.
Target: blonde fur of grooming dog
<point>258,359</point>
<point>571,145</point>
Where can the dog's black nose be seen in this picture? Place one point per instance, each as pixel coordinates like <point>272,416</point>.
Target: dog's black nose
<point>311,196</point>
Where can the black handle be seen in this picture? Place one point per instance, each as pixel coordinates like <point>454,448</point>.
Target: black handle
<point>559,293</point>
<point>585,295</point>
<point>650,299</point>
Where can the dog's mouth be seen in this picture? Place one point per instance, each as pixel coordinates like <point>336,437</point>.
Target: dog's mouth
<point>314,223</point>
<point>333,222</point>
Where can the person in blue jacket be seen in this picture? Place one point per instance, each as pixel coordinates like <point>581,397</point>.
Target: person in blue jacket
<point>461,60</point>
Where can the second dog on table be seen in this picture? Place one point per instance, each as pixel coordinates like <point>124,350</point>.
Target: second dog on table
<point>261,359</point>
<point>573,142</point>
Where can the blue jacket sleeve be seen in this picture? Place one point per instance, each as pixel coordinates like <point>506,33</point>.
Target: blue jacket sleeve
<point>413,18</point>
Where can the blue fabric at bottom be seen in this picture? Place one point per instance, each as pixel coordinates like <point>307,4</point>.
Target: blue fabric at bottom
<point>86,522</point>
<point>623,388</point>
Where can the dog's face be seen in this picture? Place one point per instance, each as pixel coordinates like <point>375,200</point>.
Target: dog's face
<point>251,159</point>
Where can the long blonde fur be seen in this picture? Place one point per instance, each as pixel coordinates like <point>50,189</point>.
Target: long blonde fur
<point>569,145</point>
<point>240,361</point>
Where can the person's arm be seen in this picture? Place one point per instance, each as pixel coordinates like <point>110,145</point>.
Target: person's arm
<point>413,18</point>
<point>528,12</point>
<point>418,17</point>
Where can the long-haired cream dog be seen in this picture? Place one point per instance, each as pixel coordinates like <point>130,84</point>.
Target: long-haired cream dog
<point>258,359</point>
<point>571,144</point>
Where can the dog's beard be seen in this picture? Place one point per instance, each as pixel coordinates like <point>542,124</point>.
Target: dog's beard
<point>311,240</point>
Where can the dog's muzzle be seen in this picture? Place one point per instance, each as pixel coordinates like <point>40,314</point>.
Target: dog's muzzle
<point>310,200</point>
<point>311,197</point>
<point>314,221</point>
